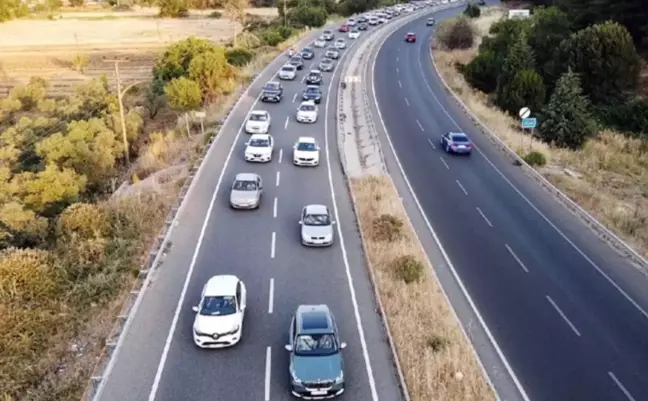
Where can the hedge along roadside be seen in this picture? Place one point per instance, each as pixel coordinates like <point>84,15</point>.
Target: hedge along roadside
<point>597,227</point>
<point>161,245</point>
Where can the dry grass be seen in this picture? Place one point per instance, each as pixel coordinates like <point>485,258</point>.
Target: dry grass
<point>611,171</point>
<point>437,360</point>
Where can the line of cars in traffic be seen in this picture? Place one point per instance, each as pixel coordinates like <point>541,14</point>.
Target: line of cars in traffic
<point>316,364</point>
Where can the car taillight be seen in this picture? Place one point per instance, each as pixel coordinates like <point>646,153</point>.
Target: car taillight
<point>469,145</point>
<point>453,144</point>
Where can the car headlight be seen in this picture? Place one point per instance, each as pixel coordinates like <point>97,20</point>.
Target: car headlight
<point>293,376</point>
<point>340,378</point>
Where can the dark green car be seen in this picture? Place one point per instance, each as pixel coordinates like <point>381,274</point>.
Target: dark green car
<point>316,363</point>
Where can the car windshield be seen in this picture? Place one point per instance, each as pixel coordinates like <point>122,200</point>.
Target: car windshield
<point>315,345</point>
<point>314,74</point>
<point>327,61</point>
<point>260,143</point>
<point>340,40</point>
<point>258,117</point>
<point>245,186</point>
<point>327,32</point>
<point>307,50</point>
<point>306,146</point>
<point>295,60</point>
<point>306,107</point>
<point>312,91</point>
<point>288,68</point>
<point>271,87</point>
<point>218,306</point>
<point>459,138</point>
<point>354,31</point>
<point>317,220</point>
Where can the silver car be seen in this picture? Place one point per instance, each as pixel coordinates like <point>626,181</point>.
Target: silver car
<point>326,65</point>
<point>246,191</point>
<point>316,226</point>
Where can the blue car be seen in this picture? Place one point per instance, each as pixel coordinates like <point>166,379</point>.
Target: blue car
<point>307,53</point>
<point>456,142</point>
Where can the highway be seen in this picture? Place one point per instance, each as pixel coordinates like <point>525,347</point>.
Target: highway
<point>158,359</point>
<point>567,311</point>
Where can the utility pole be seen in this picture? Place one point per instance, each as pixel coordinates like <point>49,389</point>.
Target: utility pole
<point>120,97</point>
<point>285,13</point>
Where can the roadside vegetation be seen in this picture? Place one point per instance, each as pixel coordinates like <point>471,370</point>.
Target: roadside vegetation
<point>579,67</point>
<point>78,210</point>
<point>437,360</point>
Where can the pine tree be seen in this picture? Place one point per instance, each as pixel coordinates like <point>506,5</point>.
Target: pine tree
<point>566,120</point>
<point>525,90</point>
<point>519,58</point>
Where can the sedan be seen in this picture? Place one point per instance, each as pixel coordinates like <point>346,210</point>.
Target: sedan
<point>288,72</point>
<point>316,226</point>
<point>246,191</point>
<point>332,53</point>
<point>410,37</point>
<point>220,313</point>
<point>306,152</point>
<point>307,53</point>
<point>326,65</point>
<point>340,43</point>
<point>297,61</point>
<point>354,34</point>
<point>320,43</point>
<point>455,142</point>
<point>430,21</point>
<point>259,148</point>
<point>258,122</point>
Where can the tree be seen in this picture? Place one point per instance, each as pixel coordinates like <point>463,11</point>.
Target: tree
<point>10,9</point>
<point>519,57</point>
<point>457,33</point>
<point>550,27</point>
<point>27,279</point>
<point>183,94</point>
<point>50,190</point>
<point>175,61</point>
<point>606,61</point>
<point>502,36</point>
<point>173,8</point>
<point>213,74</point>
<point>525,90</point>
<point>472,11</point>
<point>566,120</point>
<point>84,221</point>
<point>481,73</point>
<point>21,227</point>
<point>308,16</point>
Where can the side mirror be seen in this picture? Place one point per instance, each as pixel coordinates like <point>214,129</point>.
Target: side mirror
<point>343,345</point>
<point>247,143</point>
<point>288,347</point>
<point>301,222</point>
<point>332,222</point>
<point>194,308</point>
<point>317,148</point>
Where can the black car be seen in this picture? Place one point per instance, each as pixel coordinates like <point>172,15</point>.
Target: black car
<point>272,92</point>
<point>297,61</point>
<point>314,77</point>
<point>307,53</point>
<point>312,92</point>
<point>363,26</point>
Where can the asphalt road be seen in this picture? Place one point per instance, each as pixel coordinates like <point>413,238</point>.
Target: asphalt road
<point>158,360</point>
<point>567,311</point>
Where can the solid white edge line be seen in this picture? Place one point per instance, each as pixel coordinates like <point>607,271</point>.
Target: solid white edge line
<point>528,201</point>
<point>484,216</point>
<point>458,280</point>
<point>271,297</point>
<point>508,248</point>
<point>274,208</point>
<point>621,386</point>
<point>268,373</point>
<point>562,314</point>
<point>278,178</point>
<point>273,245</point>
<point>347,268</point>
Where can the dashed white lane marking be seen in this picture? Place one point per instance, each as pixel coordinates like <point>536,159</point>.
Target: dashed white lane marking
<point>621,386</point>
<point>407,101</point>
<point>396,58</point>
<point>271,297</point>
<point>287,121</point>
<point>484,216</point>
<point>268,369</point>
<point>280,155</point>
<point>560,312</point>
<point>397,71</point>
<point>462,188</point>
<point>274,208</point>
<point>399,84</point>
<point>419,124</point>
<point>278,178</point>
<point>508,248</point>
<point>272,245</point>
<point>431,143</point>
<point>444,163</point>
<point>294,97</point>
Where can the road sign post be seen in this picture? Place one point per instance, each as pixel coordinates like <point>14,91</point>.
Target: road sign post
<point>528,123</point>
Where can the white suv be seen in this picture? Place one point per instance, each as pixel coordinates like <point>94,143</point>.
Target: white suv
<point>259,148</point>
<point>307,112</point>
<point>288,72</point>
<point>306,152</point>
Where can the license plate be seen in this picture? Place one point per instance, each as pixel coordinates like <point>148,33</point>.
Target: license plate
<point>318,392</point>
<point>462,147</point>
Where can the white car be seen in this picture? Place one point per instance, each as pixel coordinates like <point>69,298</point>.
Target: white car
<point>373,21</point>
<point>306,152</point>
<point>351,22</point>
<point>340,43</point>
<point>288,72</point>
<point>258,122</point>
<point>354,34</point>
<point>320,42</point>
<point>220,313</point>
<point>307,112</point>
<point>259,148</point>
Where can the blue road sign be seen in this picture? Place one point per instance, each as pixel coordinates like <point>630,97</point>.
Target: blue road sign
<point>529,122</point>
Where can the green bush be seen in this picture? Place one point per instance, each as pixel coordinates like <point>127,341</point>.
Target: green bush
<point>239,56</point>
<point>216,15</point>
<point>285,31</point>
<point>472,11</point>
<point>525,90</point>
<point>457,33</point>
<point>481,73</point>
<point>248,40</point>
<point>408,269</point>
<point>183,94</point>
<point>174,8</point>
<point>387,228</point>
<point>631,117</point>
<point>271,37</point>
<point>534,158</point>
<point>307,16</point>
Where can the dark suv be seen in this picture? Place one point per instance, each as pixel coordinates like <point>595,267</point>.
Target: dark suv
<point>312,92</point>
<point>314,77</point>
<point>316,363</point>
<point>272,92</point>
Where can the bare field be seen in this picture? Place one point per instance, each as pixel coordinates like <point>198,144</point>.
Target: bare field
<point>608,177</point>
<point>438,362</point>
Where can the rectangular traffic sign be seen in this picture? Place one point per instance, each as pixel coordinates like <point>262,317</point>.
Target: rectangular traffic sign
<point>529,122</point>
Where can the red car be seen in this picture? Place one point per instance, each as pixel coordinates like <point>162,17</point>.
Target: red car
<point>344,28</point>
<point>410,37</point>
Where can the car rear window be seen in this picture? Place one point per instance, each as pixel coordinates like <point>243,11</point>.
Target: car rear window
<point>460,138</point>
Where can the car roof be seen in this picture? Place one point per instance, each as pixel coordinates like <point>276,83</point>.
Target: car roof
<point>288,66</point>
<point>260,136</point>
<point>272,83</point>
<point>458,134</point>
<point>312,87</point>
<point>316,209</point>
<point>308,102</point>
<point>411,33</point>
<point>313,319</point>
<point>246,177</point>
<point>259,112</point>
<point>224,285</point>
<point>315,71</point>
<point>339,40</point>
<point>306,139</point>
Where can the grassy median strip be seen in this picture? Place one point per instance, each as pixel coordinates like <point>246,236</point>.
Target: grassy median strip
<point>437,360</point>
